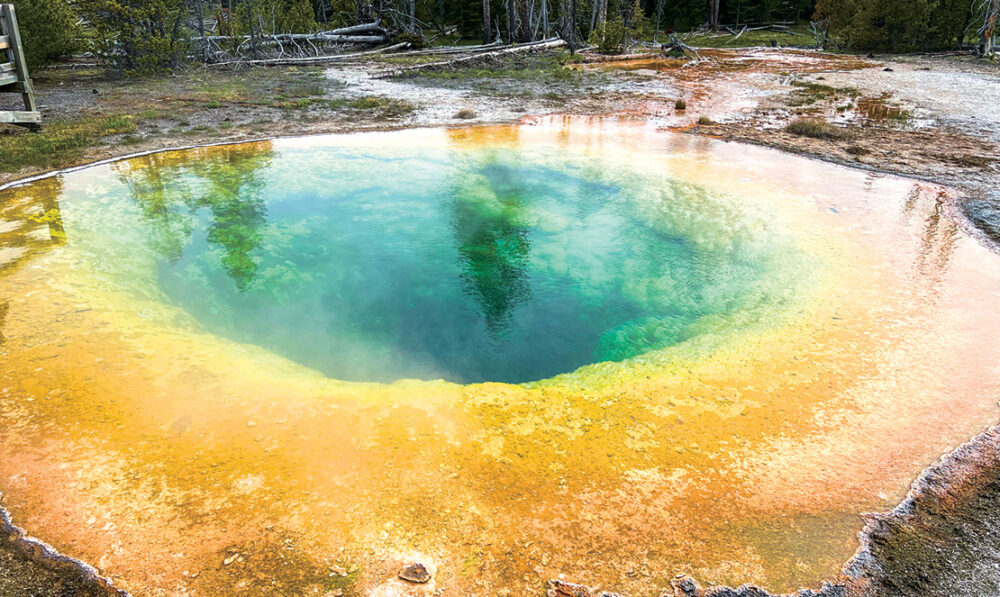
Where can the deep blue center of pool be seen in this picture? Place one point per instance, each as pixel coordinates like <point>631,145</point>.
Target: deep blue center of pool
<point>467,266</point>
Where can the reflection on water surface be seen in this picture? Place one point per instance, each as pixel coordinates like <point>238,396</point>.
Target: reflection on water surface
<point>749,349</point>
<point>461,262</point>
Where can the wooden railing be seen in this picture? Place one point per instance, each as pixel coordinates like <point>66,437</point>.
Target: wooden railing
<point>14,71</point>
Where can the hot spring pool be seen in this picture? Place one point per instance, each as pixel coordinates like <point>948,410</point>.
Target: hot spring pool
<point>578,348</point>
<point>470,263</point>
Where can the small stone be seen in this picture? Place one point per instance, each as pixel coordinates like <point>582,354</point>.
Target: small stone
<point>415,573</point>
<point>230,559</point>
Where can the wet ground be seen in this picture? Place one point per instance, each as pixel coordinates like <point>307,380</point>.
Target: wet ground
<point>749,96</point>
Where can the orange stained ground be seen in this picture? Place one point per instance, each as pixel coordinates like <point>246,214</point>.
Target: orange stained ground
<point>181,463</point>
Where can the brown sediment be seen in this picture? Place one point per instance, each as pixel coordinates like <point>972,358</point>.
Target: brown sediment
<point>29,564</point>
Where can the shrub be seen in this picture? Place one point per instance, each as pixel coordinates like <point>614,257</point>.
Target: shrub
<point>48,30</point>
<point>895,25</point>
<point>815,128</point>
<point>137,37</point>
<point>465,114</point>
<point>680,105</point>
<point>609,37</point>
<point>705,121</point>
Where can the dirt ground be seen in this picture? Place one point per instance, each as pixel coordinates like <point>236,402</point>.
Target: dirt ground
<point>932,117</point>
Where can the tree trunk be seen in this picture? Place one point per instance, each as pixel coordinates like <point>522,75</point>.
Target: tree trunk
<point>572,26</point>
<point>545,18</point>
<point>602,12</point>
<point>413,16</point>
<point>511,21</point>
<point>363,11</point>
<point>524,22</point>
<point>713,14</point>
<point>487,33</point>
<point>989,27</point>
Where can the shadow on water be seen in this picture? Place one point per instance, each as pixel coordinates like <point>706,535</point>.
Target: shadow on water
<point>171,188</point>
<point>30,223</point>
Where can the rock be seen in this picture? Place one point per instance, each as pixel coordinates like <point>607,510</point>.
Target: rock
<point>558,588</point>
<point>415,573</point>
<point>985,214</point>
<point>685,586</point>
<point>888,70</point>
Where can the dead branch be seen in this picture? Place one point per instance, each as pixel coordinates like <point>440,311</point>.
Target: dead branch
<point>677,44</point>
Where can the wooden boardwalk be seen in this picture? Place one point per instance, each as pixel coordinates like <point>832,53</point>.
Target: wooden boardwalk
<point>14,71</point>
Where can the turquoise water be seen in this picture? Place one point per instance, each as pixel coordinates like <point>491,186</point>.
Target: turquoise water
<point>467,264</point>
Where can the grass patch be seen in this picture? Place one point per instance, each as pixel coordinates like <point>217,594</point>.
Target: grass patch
<point>680,105</point>
<point>857,150</point>
<point>815,128</point>
<point>798,35</point>
<point>465,114</point>
<point>385,107</point>
<point>808,92</point>
<point>58,143</point>
<point>705,121</point>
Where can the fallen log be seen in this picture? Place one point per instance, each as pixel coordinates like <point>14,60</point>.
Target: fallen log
<point>453,50</point>
<point>518,49</point>
<point>602,58</point>
<point>283,37</point>
<point>376,26</point>
<point>309,59</point>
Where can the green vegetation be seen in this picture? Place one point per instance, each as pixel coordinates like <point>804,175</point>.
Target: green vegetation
<point>59,142</point>
<point>808,93</point>
<point>680,105</point>
<point>705,121</point>
<point>896,25</point>
<point>796,36</point>
<point>815,128</point>
<point>386,107</point>
<point>48,30</point>
<point>137,37</point>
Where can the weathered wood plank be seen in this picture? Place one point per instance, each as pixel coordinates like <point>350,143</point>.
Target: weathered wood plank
<point>4,42</point>
<point>8,79</point>
<point>6,67</point>
<point>17,56</point>
<point>20,117</point>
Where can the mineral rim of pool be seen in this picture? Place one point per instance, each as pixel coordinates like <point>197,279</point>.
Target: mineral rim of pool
<point>580,349</point>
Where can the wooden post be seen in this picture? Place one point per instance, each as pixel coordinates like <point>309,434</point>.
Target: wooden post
<point>14,73</point>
